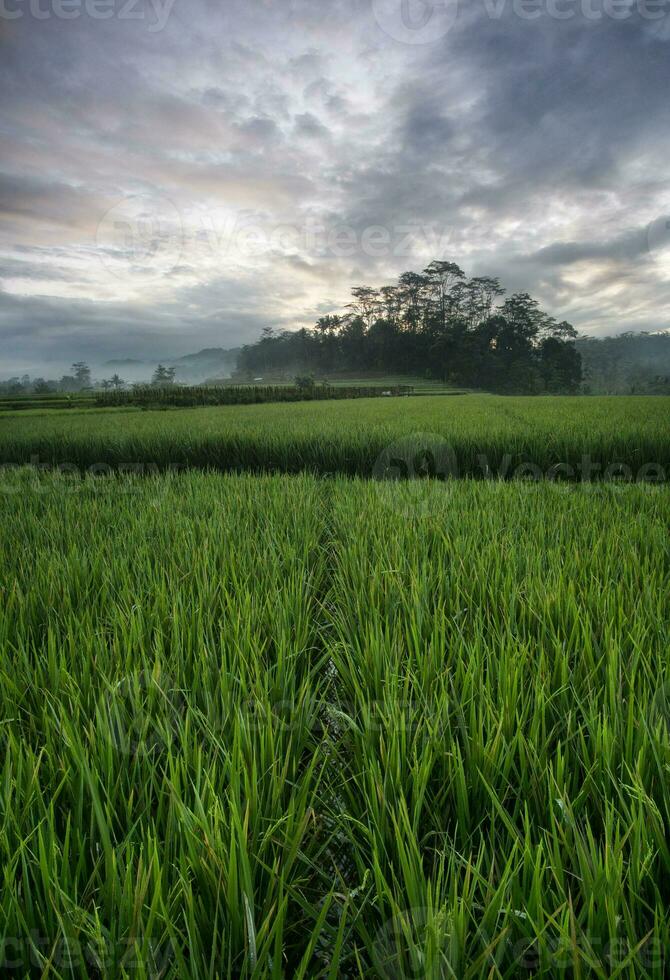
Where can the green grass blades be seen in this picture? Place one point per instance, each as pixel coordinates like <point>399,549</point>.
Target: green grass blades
<point>499,668</point>
<point>159,811</point>
<point>472,435</point>
<point>297,727</point>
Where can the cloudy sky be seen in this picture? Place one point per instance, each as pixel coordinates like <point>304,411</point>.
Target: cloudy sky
<point>177,174</point>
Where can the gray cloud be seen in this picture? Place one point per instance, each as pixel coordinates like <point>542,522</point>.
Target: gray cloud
<point>530,149</point>
<point>626,248</point>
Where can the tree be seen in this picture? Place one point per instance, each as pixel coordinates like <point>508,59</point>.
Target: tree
<point>438,324</point>
<point>413,288</point>
<point>327,325</point>
<point>163,376</point>
<point>441,277</point>
<point>353,343</point>
<point>560,365</point>
<point>523,314</point>
<point>562,330</point>
<point>82,374</point>
<point>117,382</point>
<point>483,292</point>
<point>326,329</point>
<point>365,303</point>
<point>68,383</point>
<point>391,302</point>
<point>42,387</point>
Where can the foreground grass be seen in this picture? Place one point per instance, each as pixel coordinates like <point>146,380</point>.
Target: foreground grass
<point>278,727</point>
<point>479,433</point>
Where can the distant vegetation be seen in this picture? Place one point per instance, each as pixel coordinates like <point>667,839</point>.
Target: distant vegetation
<point>436,329</point>
<point>215,362</point>
<point>304,389</point>
<point>438,324</point>
<point>630,364</point>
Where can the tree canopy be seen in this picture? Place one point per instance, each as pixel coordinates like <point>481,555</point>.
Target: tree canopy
<point>436,323</point>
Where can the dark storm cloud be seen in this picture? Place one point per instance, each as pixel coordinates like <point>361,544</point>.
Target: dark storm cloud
<point>50,333</point>
<point>625,248</point>
<point>572,100</point>
<point>530,149</point>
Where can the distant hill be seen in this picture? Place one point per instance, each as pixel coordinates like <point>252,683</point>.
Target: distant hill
<point>207,363</point>
<point>210,362</point>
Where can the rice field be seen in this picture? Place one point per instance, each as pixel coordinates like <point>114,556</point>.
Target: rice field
<point>149,396</point>
<point>473,435</point>
<point>291,726</point>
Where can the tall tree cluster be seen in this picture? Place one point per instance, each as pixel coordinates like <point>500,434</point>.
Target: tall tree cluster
<point>437,324</point>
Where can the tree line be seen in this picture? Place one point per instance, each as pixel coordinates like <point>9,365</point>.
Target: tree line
<point>628,364</point>
<point>80,381</point>
<point>457,331</point>
<point>436,324</point>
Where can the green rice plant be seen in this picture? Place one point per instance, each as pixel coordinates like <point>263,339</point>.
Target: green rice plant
<point>497,675</point>
<point>590,438</point>
<point>192,395</point>
<point>271,726</point>
<point>157,814</point>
